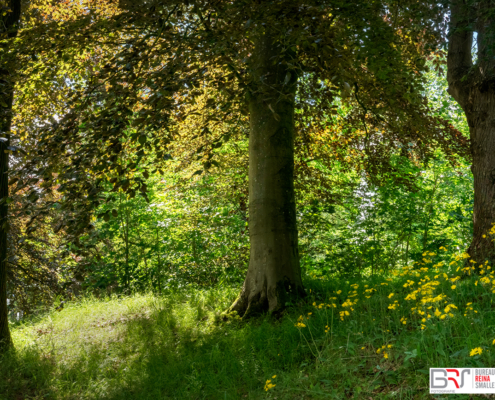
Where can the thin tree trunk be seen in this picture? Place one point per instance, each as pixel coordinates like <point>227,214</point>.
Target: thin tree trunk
<point>428,218</point>
<point>473,88</point>
<point>159,274</point>
<point>8,28</point>
<point>124,223</point>
<point>126,238</point>
<point>274,275</point>
<point>5,339</point>
<point>145,262</point>
<point>194,249</point>
<point>406,258</point>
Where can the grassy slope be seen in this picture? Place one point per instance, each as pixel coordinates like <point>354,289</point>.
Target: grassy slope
<point>176,347</point>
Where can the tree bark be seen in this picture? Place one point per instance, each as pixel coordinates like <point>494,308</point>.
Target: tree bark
<point>8,28</point>
<point>274,275</point>
<point>473,87</point>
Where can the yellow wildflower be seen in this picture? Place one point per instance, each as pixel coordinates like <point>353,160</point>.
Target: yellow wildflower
<point>476,351</point>
<point>269,385</point>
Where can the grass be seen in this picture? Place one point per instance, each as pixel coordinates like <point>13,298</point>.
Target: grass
<point>177,346</point>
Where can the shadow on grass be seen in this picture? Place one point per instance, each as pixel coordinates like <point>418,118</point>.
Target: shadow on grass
<point>161,357</point>
<point>26,374</point>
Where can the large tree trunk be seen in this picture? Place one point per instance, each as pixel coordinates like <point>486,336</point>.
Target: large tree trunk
<point>473,87</point>
<point>8,28</point>
<point>274,275</point>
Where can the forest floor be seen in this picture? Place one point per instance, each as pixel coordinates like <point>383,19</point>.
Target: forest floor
<point>367,338</point>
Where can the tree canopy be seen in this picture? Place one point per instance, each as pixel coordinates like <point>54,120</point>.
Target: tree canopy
<point>116,84</point>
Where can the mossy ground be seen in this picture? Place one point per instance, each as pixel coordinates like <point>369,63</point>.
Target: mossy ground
<point>177,346</point>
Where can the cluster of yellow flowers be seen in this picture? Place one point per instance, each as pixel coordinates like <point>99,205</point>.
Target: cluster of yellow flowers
<point>488,280</point>
<point>383,348</point>
<point>408,283</point>
<point>349,303</point>
<point>427,288</point>
<point>299,323</point>
<point>343,314</point>
<point>321,305</point>
<point>447,309</point>
<point>269,385</point>
<point>469,308</point>
<point>424,295</point>
<point>394,305</point>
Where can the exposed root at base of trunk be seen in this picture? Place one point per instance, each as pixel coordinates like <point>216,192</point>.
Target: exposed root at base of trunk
<point>273,299</point>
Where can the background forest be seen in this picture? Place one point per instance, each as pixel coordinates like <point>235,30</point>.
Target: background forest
<point>192,230</point>
<point>147,146</point>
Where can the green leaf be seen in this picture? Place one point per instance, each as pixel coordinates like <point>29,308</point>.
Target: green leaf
<point>411,354</point>
<point>287,78</point>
